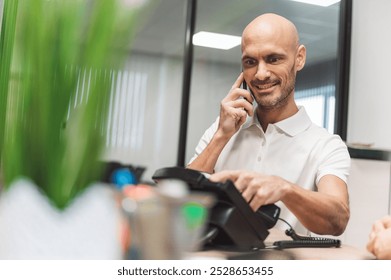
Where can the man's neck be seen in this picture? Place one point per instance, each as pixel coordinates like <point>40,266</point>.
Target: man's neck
<point>270,116</point>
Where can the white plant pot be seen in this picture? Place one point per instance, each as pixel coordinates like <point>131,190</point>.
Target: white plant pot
<point>32,228</point>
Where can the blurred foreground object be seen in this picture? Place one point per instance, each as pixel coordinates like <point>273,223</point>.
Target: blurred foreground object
<point>32,228</point>
<point>59,61</point>
<point>166,222</point>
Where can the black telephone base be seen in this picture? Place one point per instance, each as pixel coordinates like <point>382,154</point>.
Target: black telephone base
<point>238,226</point>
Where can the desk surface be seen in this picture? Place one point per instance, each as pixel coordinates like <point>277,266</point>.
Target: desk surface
<point>345,252</point>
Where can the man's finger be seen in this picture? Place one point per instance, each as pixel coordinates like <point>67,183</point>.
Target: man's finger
<point>224,176</point>
<point>238,81</point>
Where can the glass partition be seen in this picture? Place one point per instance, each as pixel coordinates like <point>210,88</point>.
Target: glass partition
<point>145,105</point>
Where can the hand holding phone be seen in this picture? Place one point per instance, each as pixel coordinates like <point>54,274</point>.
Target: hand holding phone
<point>235,108</point>
<point>240,90</point>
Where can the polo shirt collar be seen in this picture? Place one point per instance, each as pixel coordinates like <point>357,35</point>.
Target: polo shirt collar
<point>250,121</point>
<point>295,124</point>
<point>292,126</point>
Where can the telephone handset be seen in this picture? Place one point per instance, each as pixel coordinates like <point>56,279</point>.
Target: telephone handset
<point>232,223</point>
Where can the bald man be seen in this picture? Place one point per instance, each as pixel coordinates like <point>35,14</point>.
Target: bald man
<point>271,150</point>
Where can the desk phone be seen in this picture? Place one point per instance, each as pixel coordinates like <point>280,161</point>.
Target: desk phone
<point>232,224</point>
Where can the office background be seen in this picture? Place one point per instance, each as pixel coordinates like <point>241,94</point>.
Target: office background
<point>144,124</point>
<point>145,109</point>
<point>159,53</point>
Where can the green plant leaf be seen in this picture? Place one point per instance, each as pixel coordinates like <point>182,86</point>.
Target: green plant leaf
<point>63,49</point>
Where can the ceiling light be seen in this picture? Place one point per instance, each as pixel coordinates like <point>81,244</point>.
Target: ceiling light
<point>216,40</point>
<point>323,3</point>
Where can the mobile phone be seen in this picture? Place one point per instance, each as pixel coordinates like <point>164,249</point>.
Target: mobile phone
<point>244,85</point>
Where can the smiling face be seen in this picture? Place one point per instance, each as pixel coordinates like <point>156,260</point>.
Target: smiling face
<point>271,57</point>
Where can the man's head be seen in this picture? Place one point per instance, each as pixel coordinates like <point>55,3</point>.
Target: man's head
<point>271,57</point>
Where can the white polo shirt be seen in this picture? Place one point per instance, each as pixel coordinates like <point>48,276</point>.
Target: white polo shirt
<point>295,149</point>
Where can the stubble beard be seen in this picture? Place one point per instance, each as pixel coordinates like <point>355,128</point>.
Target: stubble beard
<point>281,100</point>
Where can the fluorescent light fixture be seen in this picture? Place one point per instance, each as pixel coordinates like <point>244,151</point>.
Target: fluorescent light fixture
<point>323,3</point>
<point>216,40</point>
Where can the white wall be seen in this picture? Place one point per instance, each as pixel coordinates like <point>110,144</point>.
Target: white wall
<point>370,74</point>
<point>369,194</point>
<point>369,115</point>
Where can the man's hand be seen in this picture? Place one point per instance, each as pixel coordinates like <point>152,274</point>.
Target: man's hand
<point>379,242</point>
<point>325,211</point>
<point>233,113</point>
<point>234,109</point>
<point>257,189</point>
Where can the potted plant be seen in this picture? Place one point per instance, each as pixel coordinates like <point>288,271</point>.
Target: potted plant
<point>59,60</point>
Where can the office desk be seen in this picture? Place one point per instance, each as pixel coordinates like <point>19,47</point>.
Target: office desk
<point>345,252</point>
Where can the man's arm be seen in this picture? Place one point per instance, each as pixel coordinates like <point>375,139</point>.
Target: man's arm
<point>234,109</point>
<point>206,161</point>
<point>322,212</point>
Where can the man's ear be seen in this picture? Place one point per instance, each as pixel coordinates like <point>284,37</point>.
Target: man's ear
<point>300,57</point>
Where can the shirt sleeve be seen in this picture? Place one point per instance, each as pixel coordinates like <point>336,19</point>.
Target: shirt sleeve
<point>336,159</point>
<point>205,139</point>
